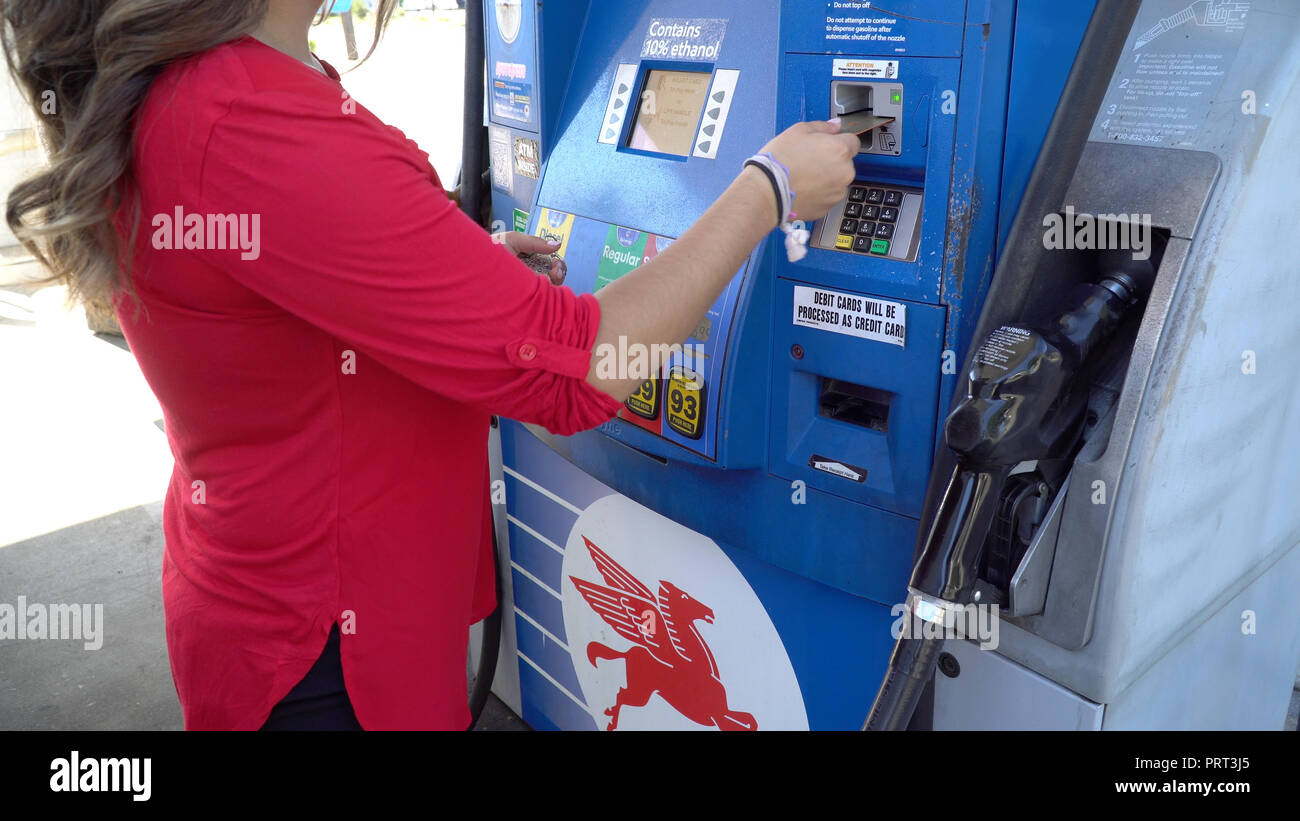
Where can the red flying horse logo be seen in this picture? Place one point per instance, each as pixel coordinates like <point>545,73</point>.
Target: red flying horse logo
<point>670,657</point>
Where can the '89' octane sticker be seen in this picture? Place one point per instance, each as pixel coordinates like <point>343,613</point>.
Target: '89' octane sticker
<point>645,401</point>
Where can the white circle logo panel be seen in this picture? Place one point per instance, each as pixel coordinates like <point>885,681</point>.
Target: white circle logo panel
<point>510,16</point>
<point>664,631</point>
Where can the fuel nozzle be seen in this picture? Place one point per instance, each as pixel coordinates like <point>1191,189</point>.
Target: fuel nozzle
<point>1024,402</point>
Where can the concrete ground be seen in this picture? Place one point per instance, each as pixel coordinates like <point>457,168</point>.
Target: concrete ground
<point>84,462</point>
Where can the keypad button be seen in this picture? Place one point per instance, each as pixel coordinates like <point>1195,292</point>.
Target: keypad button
<point>879,246</point>
<point>888,214</point>
<point>857,194</point>
<point>884,230</point>
<point>875,195</point>
<point>894,198</point>
<point>862,244</point>
<point>853,210</point>
<point>848,226</point>
<point>870,212</point>
<point>867,229</point>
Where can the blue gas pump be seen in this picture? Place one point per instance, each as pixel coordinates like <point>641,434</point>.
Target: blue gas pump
<point>732,550</point>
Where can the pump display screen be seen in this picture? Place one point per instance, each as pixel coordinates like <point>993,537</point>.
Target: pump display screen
<point>669,111</point>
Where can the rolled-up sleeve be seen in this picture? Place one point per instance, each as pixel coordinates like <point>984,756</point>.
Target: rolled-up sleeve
<point>355,236</point>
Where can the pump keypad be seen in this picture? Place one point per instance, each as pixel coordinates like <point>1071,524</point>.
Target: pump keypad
<point>877,219</point>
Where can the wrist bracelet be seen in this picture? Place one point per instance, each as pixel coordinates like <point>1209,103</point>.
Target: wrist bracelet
<point>796,234</point>
<point>780,178</point>
<point>776,187</point>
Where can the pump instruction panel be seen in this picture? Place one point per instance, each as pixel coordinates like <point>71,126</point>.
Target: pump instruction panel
<point>670,109</point>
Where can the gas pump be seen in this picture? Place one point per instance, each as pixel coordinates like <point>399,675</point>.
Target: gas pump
<point>734,550</point>
<point>1153,521</point>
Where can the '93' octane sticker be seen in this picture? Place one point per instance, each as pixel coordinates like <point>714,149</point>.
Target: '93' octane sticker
<point>686,397</point>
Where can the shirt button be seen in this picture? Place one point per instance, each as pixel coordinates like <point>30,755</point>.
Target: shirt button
<point>527,352</point>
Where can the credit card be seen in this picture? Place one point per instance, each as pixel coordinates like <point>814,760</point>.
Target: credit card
<point>861,122</point>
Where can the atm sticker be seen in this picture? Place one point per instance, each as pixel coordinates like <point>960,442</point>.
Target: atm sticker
<point>842,469</point>
<point>851,314</point>
<point>528,158</point>
<point>676,38</point>
<point>866,69</point>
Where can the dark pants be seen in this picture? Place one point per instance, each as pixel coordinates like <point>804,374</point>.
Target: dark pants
<point>319,701</point>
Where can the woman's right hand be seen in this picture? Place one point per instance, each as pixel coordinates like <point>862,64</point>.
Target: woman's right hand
<point>820,160</point>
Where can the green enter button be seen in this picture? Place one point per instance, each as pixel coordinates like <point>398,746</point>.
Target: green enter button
<point>880,246</point>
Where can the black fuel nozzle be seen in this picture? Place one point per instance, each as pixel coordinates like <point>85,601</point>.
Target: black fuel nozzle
<point>1023,402</point>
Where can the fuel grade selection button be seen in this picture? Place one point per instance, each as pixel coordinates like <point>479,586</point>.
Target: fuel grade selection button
<point>686,397</point>
<point>646,400</point>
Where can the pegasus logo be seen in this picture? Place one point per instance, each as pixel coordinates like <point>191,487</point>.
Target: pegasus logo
<point>669,656</point>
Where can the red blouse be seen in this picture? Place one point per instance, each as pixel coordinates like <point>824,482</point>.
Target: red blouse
<point>327,334</point>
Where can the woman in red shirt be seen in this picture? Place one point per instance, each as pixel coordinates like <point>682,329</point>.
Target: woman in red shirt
<point>327,335</point>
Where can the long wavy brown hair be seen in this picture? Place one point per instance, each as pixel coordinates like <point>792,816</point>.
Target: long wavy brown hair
<point>85,67</point>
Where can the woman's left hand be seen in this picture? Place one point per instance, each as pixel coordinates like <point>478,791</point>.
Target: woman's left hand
<point>536,252</point>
